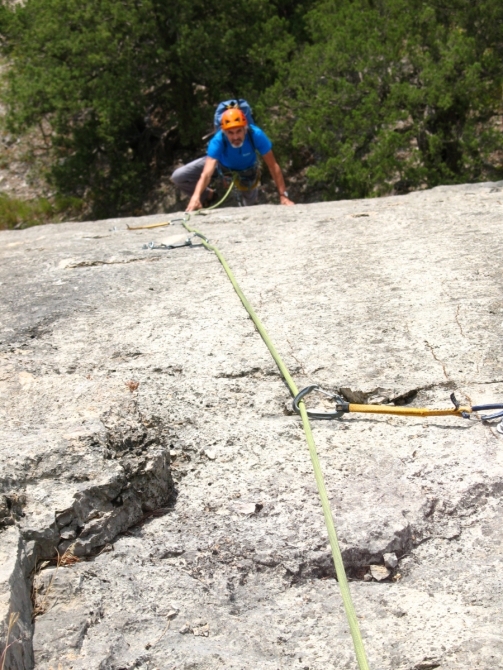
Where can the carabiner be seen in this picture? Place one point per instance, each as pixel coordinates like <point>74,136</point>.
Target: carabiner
<point>341,405</point>
<point>187,243</point>
<point>488,417</point>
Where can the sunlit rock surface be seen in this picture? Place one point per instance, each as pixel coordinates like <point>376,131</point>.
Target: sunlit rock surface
<point>145,424</point>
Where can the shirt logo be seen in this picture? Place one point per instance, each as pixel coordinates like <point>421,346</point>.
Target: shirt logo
<point>248,154</point>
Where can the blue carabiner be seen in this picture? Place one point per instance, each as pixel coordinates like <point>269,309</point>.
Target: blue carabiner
<point>488,417</point>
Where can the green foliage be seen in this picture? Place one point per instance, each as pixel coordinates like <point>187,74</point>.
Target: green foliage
<point>16,213</point>
<point>123,84</point>
<point>394,93</point>
<point>374,95</point>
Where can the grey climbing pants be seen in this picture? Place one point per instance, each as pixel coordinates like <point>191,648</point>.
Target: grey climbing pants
<point>187,176</point>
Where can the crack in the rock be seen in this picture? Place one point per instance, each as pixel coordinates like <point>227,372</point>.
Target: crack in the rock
<point>438,515</point>
<point>457,321</point>
<point>132,492</point>
<point>89,264</point>
<point>427,664</point>
<point>11,508</point>
<point>437,359</point>
<point>296,359</point>
<point>102,512</point>
<point>250,372</point>
<point>381,395</point>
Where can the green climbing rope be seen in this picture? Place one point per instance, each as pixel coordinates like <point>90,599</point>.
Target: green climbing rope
<point>207,209</point>
<point>327,513</point>
<point>200,211</point>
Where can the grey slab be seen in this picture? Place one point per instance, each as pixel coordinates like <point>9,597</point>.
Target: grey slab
<point>196,486</point>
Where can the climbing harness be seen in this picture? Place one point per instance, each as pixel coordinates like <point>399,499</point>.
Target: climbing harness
<point>342,407</point>
<point>244,180</point>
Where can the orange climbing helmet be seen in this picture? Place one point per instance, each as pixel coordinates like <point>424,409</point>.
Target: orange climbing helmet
<point>233,118</point>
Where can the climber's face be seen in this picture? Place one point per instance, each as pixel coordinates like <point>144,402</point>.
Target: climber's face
<point>236,136</point>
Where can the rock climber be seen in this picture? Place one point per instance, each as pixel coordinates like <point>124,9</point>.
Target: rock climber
<point>232,154</point>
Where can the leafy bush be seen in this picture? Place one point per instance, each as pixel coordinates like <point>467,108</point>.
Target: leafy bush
<point>123,84</point>
<point>394,94</point>
<point>374,95</point>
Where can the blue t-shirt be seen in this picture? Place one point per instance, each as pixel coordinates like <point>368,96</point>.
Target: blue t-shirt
<point>242,158</point>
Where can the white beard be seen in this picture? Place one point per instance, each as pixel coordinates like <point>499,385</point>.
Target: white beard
<point>237,146</point>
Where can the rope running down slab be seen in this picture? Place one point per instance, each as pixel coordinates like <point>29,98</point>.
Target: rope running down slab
<point>327,513</point>
<point>341,408</point>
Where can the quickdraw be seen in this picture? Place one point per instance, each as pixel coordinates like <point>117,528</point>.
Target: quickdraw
<point>342,407</point>
<point>177,245</point>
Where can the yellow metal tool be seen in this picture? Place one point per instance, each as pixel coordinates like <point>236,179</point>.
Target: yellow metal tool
<point>342,407</point>
<point>408,411</point>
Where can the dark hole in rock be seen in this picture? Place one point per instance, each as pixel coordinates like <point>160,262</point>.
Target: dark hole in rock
<point>405,398</point>
<point>356,397</point>
<point>118,502</point>
<point>378,396</point>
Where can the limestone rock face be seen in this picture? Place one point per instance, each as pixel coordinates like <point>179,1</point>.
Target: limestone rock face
<point>147,436</point>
